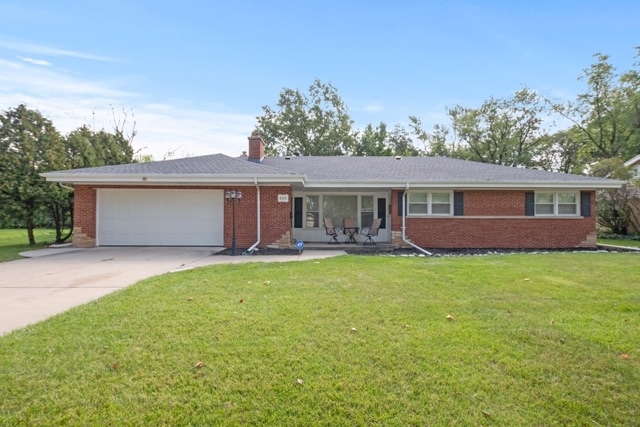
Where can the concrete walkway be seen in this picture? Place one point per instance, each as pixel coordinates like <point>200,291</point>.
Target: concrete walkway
<point>52,281</point>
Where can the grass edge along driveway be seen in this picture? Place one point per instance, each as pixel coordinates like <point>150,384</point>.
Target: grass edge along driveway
<point>354,340</point>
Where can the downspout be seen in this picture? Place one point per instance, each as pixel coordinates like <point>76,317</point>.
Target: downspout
<point>404,224</point>
<point>253,247</point>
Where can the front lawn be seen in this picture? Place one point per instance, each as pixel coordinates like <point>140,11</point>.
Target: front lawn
<point>12,242</point>
<point>620,242</point>
<point>508,340</point>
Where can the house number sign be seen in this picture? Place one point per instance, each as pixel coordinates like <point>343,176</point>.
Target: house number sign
<point>283,198</point>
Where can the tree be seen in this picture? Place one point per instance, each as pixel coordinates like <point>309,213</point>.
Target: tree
<point>29,145</point>
<point>380,142</point>
<point>614,209</point>
<point>608,112</point>
<point>315,124</point>
<point>373,142</point>
<point>401,143</point>
<point>501,131</point>
<point>437,143</point>
<point>563,152</point>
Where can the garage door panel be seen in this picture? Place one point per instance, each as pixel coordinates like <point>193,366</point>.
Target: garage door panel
<point>160,217</point>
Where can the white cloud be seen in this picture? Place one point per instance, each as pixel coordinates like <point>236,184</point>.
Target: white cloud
<point>41,49</point>
<point>70,101</point>
<point>373,108</point>
<point>33,61</point>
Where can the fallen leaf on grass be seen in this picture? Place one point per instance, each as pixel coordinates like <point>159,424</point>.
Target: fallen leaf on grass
<point>190,299</point>
<point>486,414</point>
<point>115,366</point>
<point>266,282</point>
<point>241,300</point>
<point>624,357</point>
<point>526,279</point>
<point>450,317</point>
<point>198,365</point>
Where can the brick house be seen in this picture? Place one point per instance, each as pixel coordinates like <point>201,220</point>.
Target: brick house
<point>429,202</point>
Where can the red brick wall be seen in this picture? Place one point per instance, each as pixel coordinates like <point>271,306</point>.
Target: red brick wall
<point>275,216</point>
<point>493,219</point>
<point>496,219</point>
<point>84,209</point>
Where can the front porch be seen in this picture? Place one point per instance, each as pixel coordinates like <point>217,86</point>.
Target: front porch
<point>359,247</point>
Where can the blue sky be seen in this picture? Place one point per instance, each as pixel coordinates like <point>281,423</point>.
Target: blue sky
<point>195,74</point>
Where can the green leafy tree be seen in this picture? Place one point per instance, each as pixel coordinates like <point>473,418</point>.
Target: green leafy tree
<point>563,151</point>
<point>381,142</point>
<point>29,145</point>
<point>316,123</point>
<point>373,142</point>
<point>401,142</point>
<point>608,112</point>
<point>501,131</point>
<point>437,143</point>
<point>614,205</point>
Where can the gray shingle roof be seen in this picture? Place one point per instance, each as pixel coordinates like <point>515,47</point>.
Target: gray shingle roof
<point>411,169</point>
<point>217,164</point>
<point>336,171</point>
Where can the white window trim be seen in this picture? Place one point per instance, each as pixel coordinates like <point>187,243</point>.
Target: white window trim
<point>430,204</point>
<point>556,203</point>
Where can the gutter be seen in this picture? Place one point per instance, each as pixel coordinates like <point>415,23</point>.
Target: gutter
<point>253,247</point>
<point>404,224</point>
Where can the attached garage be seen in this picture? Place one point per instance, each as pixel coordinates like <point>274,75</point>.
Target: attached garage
<point>150,217</point>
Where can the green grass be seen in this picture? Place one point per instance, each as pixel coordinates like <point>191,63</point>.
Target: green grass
<point>12,242</point>
<point>536,340</point>
<point>620,242</point>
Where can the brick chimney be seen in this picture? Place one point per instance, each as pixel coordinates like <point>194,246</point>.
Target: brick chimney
<point>256,148</point>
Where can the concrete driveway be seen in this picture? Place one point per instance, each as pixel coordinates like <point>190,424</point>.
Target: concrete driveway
<point>53,281</point>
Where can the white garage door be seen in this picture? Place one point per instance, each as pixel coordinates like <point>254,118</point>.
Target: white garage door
<point>160,217</point>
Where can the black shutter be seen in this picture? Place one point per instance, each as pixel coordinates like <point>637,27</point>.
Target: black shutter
<point>530,203</point>
<point>297,212</point>
<point>458,203</point>
<point>400,194</point>
<point>585,203</point>
<point>382,212</point>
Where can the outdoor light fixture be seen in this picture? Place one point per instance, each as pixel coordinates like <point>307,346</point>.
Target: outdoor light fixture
<point>233,197</point>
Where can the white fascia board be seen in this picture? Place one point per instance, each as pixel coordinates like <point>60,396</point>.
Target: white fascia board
<point>201,179</point>
<point>470,185</point>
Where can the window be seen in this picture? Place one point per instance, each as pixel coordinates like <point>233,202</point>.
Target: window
<point>313,216</point>
<point>557,203</point>
<point>366,211</point>
<point>429,203</point>
<point>339,207</point>
<point>440,203</point>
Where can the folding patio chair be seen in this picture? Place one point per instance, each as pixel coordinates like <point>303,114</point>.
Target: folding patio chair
<point>371,232</point>
<point>330,230</point>
<point>350,229</point>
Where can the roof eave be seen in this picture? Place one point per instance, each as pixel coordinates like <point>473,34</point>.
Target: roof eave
<point>587,184</point>
<point>193,179</point>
